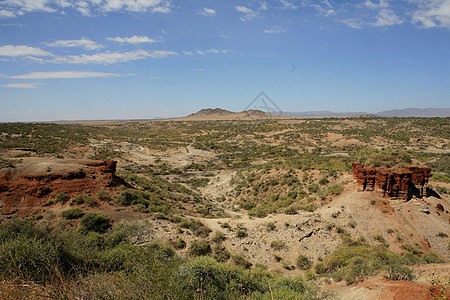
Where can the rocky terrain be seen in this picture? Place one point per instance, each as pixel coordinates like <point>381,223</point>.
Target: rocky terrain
<point>27,185</point>
<point>261,193</point>
<point>398,183</point>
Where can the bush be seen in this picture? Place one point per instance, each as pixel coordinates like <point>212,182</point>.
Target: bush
<point>303,262</point>
<point>197,227</point>
<point>94,222</point>
<point>324,181</point>
<point>271,226</point>
<point>239,260</point>
<point>103,196</point>
<point>179,243</point>
<point>62,197</point>
<point>218,237</point>
<point>199,248</point>
<point>72,213</point>
<point>277,245</point>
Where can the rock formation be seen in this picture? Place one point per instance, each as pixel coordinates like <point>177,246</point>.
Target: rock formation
<point>401,183</point>
<point>31,184</point>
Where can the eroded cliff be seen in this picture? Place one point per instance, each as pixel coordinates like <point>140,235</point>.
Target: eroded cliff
<point>396,183</point>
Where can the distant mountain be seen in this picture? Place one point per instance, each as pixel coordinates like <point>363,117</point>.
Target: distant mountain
<point>222,114</point>
<point>206,112</point>
<point>416,112</point>
<point>326,114</point>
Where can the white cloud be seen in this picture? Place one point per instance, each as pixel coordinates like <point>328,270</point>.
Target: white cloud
<point>248,13</point>
<point>381,4</point>
<point>83,43</point>
<point>275,30</point>
<point>7,14</point>
<point>432,13</point>
<point>156,78</point>
<point>137,5</point>
<point>208,51</point>
<point>225,36</point>
<point>209,12</point>
<point>11,50</point>
<point>353,23</point>
<point>34,85</point>
<point>386,17</point>
<point>263,5</point>
<point>64,75</point>
<point>21,6</point>
<point>107,58</point>
<point>13,8</point>
<point>323,7</point>
<point>287,5</point>
<point>132,40</point>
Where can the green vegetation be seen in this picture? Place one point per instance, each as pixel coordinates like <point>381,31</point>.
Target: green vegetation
<point>72,213</point>
<point>94,222</point>
<point>385,158</point>
<point>355,260</point>
<point>197,227</point>
<point>107,266</point>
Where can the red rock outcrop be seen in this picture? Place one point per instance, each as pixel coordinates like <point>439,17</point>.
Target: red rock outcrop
<point>30,185</point>
<point>394,183</point>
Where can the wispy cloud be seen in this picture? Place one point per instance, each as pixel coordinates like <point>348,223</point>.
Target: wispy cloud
<point>225,36</point>
<point>208,51</point>
<point>34,85</point>
<point>323,7</point>
<point>14,8</point>
<point>353,23</point>
<point>263,5</point>
<point>160,6</point>
<point>381,4</point>
<point>432,13</point>
<point>156,78</point>
<point>287,5</point>
<point>11,50</point>
<point>248,14</point>
<point>82,43</point>
<point>135,39</point>
<point>107,58</point>
<point>65,75</point>
<point>373,15</point>
<point>387,17</point>
<point>275,30</point>
<point>7,14</point>
<point>209,12</point>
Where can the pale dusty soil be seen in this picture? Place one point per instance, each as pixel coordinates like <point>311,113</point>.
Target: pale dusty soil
<point>306,233</point>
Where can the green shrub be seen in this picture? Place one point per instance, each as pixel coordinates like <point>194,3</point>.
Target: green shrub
<point>241,231</point>
<point>218,237</point>
<point>197,227</point>
<point>239,260</point>
<point>102,195</point>
<point>199,248</point>
<point>80,199</point>
<point>324,181</point>
<point>62,197</point>
<point>94,222</point>
<point>72,213</point>
<point>271,226</point>
<point>303,262</point>
<point>277,245</point>
<point>179,243</point>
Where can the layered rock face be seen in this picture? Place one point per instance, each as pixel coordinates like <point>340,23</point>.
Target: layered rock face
<point>394,183</point>
<point>30,185</point>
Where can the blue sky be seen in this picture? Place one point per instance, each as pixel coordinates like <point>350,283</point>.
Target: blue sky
<point>124,59</point>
